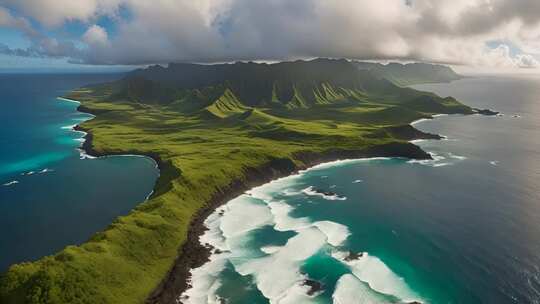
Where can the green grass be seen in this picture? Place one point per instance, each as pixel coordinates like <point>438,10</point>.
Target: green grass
<point>201,155</point>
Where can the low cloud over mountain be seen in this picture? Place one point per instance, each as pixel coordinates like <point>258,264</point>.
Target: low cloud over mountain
<point>490,33</point>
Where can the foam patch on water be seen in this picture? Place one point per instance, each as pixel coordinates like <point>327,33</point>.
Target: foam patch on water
<point>336,234</point>
<point>11,183</point>
<point>378,276</point>
<point>437,160</point>
<point>68,100</point>
<point>204,291</point>
<point>311,191</point>
<point>419,121</point>
<point>84,155</point>
<point>242,215</point>
<point>70,127</point>
<point>282,220</point>
<point>289,192</point>
<point>457,156</point>
<point>343,162</point>
<point>271,249</point>
<point>350,290</point>
<point>277,273</point>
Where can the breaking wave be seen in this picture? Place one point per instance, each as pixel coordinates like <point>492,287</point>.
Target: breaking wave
<point>275,263</point>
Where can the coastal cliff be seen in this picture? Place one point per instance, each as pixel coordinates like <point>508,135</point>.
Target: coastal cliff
<point>193,254</point>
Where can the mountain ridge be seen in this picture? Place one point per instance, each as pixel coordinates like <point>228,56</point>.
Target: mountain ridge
<point>291,85</point>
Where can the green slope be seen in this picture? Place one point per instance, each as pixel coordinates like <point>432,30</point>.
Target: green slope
<point>226,105</point>
<point>411,73</point>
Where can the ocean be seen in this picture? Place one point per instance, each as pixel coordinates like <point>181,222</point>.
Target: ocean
<point>50,196</point>
<point>462,228</point>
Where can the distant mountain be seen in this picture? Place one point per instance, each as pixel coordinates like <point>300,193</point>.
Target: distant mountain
<point>410,73</point>
<point>224,89</point>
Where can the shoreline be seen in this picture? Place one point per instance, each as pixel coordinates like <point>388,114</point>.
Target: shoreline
<point>86,150</point>
<point>192,254</point>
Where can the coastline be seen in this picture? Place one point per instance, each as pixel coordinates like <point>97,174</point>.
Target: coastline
<point>192,253</point>
<point>87,151</point>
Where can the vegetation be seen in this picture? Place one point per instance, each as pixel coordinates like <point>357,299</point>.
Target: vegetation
<point>411,73</point>
<point>207,125</point>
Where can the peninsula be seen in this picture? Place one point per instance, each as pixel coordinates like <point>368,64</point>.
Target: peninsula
<point>215,131</point>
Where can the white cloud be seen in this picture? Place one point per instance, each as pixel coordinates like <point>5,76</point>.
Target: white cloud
<point>96,36</point>
<point>55,12</point>
<point>526,61</point>
<point>160,31</point>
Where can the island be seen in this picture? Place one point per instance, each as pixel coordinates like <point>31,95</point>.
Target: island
<point>215,131</point>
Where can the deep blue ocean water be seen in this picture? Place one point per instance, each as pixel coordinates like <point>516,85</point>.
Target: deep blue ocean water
<point>59,199</point>
<point>464,228</point>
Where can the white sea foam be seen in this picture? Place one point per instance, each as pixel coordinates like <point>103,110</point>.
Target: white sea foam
<point>342,162</point>
<point>277,273</point>
<point>350,290</point>
<point>434,162</point>
<point>378,276</point>
<point>69,127</point>
<point>45,170</point>
<point>68,100</point>
<point>243,215</point>
<point>84,155</point>
<point>214,236</point>
<point>282,220</point>
<point>297,294</point>
<point>289,192</point>
<point>271,249</point>
<point>336,234</point>
<point>207,282</point>
<point>440,164</point>
<point>11,183</point>
<point>419,121</point>
<point>457,156</point>
<point>311,191</point>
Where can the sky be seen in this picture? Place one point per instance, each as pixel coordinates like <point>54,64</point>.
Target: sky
<point>471,35</point>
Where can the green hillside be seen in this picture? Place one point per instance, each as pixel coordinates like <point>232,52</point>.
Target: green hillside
<point>215,130</point>
<point>410,73</point>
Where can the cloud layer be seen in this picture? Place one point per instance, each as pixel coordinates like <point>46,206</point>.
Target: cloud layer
<point>493,33</point>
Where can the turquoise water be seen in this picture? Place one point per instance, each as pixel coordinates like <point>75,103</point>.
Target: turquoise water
<point>49,196</point>
<point>463,228</point>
